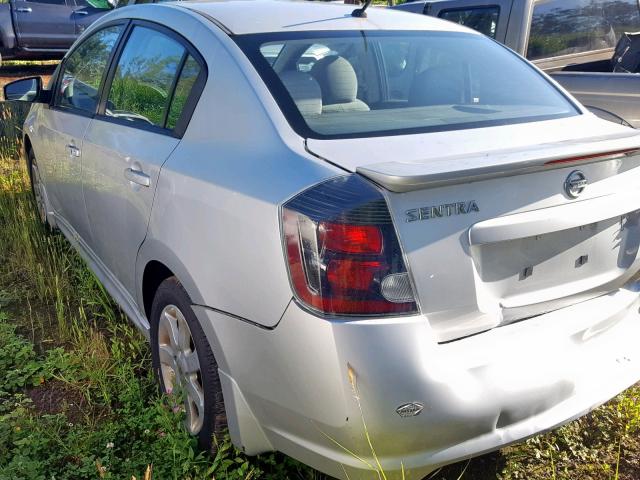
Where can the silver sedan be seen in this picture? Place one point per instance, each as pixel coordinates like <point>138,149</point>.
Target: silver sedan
<point>319,216</point>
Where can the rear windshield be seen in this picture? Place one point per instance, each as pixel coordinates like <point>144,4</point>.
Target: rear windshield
<point>346,84</point>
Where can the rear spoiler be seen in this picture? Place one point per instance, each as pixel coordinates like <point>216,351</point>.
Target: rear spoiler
<point>405,177</point>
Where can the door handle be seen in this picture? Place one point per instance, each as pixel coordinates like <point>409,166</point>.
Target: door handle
<point>81,12</point>
<point>137,176</point>
<point>73,150</point>
<point>24,10</point>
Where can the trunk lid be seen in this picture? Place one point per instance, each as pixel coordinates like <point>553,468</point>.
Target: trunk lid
<point>490,231</point>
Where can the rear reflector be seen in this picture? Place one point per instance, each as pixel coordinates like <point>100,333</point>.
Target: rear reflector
<point>397,288</point>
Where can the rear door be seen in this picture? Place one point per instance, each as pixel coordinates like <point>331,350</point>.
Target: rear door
<point>152,89</point>
<point>85,13</point>
<point>76,98</point>
<point>44,24</point>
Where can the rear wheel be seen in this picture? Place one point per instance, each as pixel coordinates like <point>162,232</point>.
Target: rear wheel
<point>183,362</point>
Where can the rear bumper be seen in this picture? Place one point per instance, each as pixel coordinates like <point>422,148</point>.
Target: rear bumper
<point>479,393</point>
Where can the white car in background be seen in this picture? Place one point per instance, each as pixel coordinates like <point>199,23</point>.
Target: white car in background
<point>291,231</point>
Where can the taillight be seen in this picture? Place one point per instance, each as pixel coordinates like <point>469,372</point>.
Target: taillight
<point>343,254</point>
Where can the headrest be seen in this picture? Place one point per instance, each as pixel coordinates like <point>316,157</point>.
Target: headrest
<point>337,79</point>
<point>304,90</point>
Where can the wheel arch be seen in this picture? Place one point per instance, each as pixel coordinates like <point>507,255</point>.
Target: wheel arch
<point>154,274</point>
<point>27,146</point>
<point>155,263</point>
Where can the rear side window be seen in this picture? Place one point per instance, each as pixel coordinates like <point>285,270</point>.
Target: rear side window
<point>482,19</point>
<point>188,77</point>
<point>82,72</point>
<point>565,27</point>
<point>144,78</point>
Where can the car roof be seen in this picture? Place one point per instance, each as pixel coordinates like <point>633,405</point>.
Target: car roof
<point>262,16</point>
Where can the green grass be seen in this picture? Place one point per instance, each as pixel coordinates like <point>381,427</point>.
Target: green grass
<point>29,63</point>
<point>77,397</point>
<point>78,400</point>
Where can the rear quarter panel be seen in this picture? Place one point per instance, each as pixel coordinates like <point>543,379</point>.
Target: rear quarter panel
<point>215,220</point>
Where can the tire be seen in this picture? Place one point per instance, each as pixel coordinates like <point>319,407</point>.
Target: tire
<point>174,356</point>
<point>38,190</point>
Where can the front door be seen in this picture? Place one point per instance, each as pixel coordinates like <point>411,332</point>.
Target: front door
<point>44,24</point>
<point>76,98</point>
<point>126,145</point>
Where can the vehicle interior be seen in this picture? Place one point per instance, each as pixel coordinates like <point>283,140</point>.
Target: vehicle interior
<point>388,83</point>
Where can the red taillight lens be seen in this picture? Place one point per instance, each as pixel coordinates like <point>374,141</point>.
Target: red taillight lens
<point>340,237</point>
<point>343,254</point>
<point>349,274</point>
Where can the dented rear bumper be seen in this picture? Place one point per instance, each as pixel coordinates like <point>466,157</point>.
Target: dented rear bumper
<point>479,393</point>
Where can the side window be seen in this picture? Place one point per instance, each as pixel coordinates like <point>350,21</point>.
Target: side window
<point>186,81</point>
<point>141,88</point>
<point>99,4</point>
<point>482,19</point>
<point>560,28</point>
<point>82,73</point>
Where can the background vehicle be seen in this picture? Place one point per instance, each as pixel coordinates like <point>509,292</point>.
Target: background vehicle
<point>305,239</point>
<point>573,41</point>
<point>43,29</point>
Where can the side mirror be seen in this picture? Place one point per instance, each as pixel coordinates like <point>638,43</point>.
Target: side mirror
<point>24,90</point>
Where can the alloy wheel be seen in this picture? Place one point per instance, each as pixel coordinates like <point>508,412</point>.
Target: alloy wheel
<point>180,365</point>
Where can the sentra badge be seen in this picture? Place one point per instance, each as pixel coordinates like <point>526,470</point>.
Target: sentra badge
<point>440,211</point>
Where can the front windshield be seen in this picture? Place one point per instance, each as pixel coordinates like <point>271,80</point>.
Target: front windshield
<point>346,84</point>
